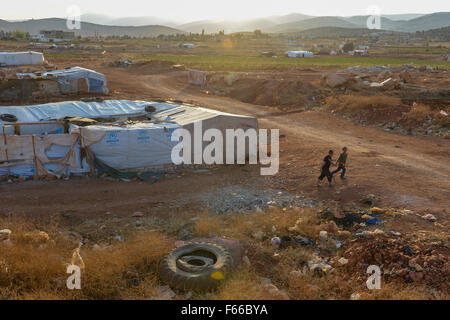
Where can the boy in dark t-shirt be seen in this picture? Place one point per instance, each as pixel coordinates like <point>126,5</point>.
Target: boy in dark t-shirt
<point>325,168</point>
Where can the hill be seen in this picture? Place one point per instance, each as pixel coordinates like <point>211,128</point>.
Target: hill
<point>312,23</point>
<point>426,22</point>
<point>87,29</point>
<point>230,26</point>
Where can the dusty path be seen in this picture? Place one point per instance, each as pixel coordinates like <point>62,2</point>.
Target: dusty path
<point>404,170</point>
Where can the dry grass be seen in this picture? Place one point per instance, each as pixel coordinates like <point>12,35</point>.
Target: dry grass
<point>31,270</point>
<point>130,269</point>
<point>354,104</point>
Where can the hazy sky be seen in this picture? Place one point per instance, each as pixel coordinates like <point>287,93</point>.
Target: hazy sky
<point>212,9</point>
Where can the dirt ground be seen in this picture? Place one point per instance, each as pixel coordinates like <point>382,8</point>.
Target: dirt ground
<point>405,172</point>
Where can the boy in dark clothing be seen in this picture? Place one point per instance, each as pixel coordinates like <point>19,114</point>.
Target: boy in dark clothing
<point>341,163</point>
<point>325,169</point>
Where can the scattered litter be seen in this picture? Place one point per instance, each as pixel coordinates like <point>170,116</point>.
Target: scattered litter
<point>429,217</point>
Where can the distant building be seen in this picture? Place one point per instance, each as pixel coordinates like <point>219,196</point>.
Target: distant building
<point>299,54</point>
<point>362,53</point>
<point>188,45</point>
<point>448,58</point>
<point>363,47</point>
<point>56,35</point>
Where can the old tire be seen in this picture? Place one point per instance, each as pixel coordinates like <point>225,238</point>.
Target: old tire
<point>196,266</point>
<point>8,117</point>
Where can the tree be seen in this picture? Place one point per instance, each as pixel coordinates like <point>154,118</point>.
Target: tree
<point>258,33</point>
<point>349,46</point>
<point>19,35</point>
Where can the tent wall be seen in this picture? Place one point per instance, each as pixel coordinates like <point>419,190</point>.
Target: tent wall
<point>133,147</point>
<point>35,155</point>
<point>21,58</point>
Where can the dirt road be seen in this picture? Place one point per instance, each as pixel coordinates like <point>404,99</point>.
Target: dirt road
<point>403,171</point>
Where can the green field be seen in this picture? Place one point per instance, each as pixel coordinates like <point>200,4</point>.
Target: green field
<point>232,63</point>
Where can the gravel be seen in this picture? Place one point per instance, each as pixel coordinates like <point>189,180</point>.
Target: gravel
<point>237,199</point>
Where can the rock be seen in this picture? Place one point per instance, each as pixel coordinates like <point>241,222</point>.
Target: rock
<point>370,199</point>
<point>231,78</point>
<point>416,276</point>
<point>5,234</point>
<point>303,241</point>
<point>274,292</point>
<point>7,243</point>
<point>339,214</point>
<point>363,234</point>
<point>323,236</point>
<point>413,263</point>
<point>265,280</point>
<point>344,233</point>
<point>377,232</point>
<point>355,296</point>
<point>295,279</point>
<point>332,227</point>
<point>405,76</point>
<point>259,235</point>
<point>36,237</point>
<point>246,260</point>
<point>319,267</point>
<point>138,214</point>
<point>163,293</point>
<point>342,261</point>
<point>333,80</point>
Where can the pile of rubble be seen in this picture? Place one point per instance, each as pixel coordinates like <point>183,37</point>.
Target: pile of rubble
<point>401,259</point>
<point>121,63</point>
<point>377,77</point>
<point>237,199</point>
<point>392,69</point>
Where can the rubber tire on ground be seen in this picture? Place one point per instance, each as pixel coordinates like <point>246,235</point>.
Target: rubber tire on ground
<point>197,281</point>
<point>8,117</point>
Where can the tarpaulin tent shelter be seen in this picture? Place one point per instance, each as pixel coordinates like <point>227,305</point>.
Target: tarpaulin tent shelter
<point>186,116</point>
<point>21,58</point>
<point>197,77</point>
<point>130,136</point>
<point>300,54</point>
<point>34,141</point>
<point>79,79</point>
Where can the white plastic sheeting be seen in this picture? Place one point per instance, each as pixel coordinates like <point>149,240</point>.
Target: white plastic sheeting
<point>137,146</point>
<point>61,110</point>
<point>300,54</point>
<point>68,79</point>
<point>21,58</point>
<point>31,155</point>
